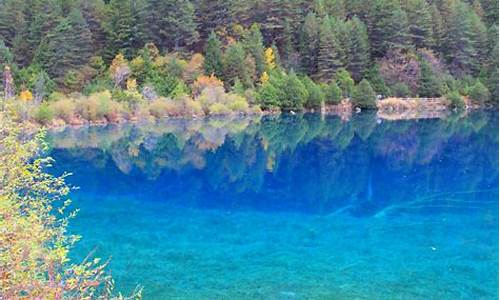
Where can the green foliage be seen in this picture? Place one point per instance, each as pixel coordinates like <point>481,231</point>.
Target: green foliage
<point>71,43</point>
<point>479,92</point>
<point>253,44</point>
<point>316,96</point>
<point>400,90</point>
<point>67,47</point>
<point>235,67</point>
<point>358,48</point>
<point>377,82</point>
<point>420,23</point>
<point>330,51</point>
<point>430,84</point>
<point>34,219</point>
<point>44,114</point>
<point>456,100</point>
<point>295,94</point>
<point>284,91</point>
<point>363,96</point>
<point>213,63</point>
<point>333,94</point>
<point>344,82</point>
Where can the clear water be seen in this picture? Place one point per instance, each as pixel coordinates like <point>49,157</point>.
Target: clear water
<point>290,207</point>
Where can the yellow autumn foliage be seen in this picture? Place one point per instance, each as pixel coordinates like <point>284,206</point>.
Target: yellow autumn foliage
<point>26,95</point>
<point>264,77</point>
<point>270,59</point>
<point>131,84</point>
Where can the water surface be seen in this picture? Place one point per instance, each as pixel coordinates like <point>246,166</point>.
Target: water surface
<point>290,207</point>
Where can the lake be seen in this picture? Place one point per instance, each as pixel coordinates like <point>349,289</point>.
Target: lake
<point>290,207</point>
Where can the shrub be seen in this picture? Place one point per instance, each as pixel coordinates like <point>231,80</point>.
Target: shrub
<point>218,109</point>
<point>211,95</point>
<point>192,107</point>
<point>128,97</point>
<point>364,96</point>
<point>203,82</point>
<point>295,94</point>
<point>344,82</point>
<point>63,109</point>
<point>316,96</point>
<point>98,106</point>
<point>34,218</point>
<point>401,90</point>
<point>456,100</point>
<point>98,85</point>
<point>237,103</point>
<point>56,96</point>
<point>160,108</point>
<point>44,114</point>
<point>333,94</point>
<point>479,92</point>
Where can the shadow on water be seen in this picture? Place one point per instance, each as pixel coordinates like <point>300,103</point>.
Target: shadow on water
<point>290,207</point>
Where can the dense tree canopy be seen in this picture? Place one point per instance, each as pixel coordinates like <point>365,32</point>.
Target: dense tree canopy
<point>64,39</point>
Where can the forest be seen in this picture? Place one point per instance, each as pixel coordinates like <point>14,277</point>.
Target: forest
<point>105,59</point>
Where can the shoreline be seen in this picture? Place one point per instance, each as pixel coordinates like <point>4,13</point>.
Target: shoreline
<point>390,109</point>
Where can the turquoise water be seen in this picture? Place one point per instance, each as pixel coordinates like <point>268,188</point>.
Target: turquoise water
<point>290,207</point>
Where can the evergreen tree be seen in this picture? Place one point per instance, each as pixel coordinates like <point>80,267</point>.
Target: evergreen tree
<point>214,15</point>
<point>429,84</point>
<point>315,95</point>
<point>377,82</point>
<point>93,12</point>
<point>479,92</point>
<point>235,67</point>
<point>296,94</point>
<point>344,82</point>
<point>309,44</point>
<point>329,52</point>
<point>67,47</point>
<point>213,63</point>
<point>120,27</point>
<point>363,96</point>
<point>253,44</point>
<point>397,31</point>
<point>420,23</point>
<point>491,65</point>
<point>177,25</point>
<point>358,51</point>
<point>333,94</point>
<point>459,45</point>
<point>438,31</point>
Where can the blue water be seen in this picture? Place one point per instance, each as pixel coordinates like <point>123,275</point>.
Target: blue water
<point>290,207</point>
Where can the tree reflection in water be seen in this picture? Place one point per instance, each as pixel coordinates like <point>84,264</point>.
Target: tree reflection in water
<point>294,163</point>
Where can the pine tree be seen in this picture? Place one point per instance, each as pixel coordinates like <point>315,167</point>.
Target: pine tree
<point>296,94</point>
<point>253,44</point>
<point>459,45</point>
<point>309,44</point>
<point>379,18</point>
<point>122,28</point>
<point>358,51</point>
<point>363,96</point>
<point>177,26</point>
<point>397,31</point>
<point>235,67</point>
<point>420,23</point>
<point>213,63</point>
<point>67,47</point>
<point>328,56</point>
<point>437,29</point>
<point>429,84</point>
<point>93,12</point>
